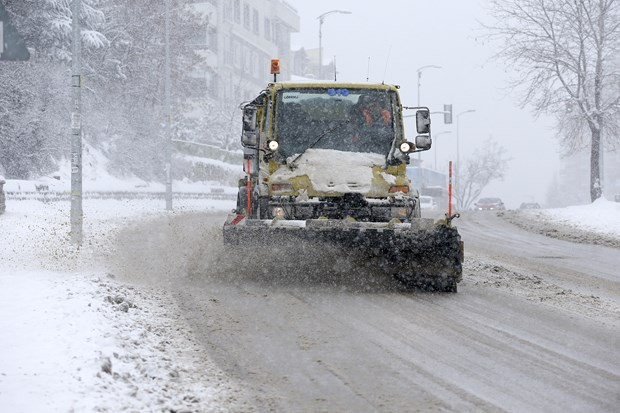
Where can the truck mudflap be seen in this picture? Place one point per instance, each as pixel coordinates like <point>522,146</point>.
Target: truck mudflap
<point>420,254</point>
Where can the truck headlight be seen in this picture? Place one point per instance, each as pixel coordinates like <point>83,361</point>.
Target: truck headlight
<point>278,212</point>
<point>406,147</point>
<point>273,146</point>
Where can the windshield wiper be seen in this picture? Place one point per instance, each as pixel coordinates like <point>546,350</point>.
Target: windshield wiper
<point>321,136</point>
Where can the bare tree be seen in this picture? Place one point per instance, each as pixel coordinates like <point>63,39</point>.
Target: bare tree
<point>563,52</point>
<point>485,165</point>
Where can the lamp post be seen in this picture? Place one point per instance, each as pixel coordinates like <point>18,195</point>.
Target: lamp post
<point>321,20</point>
<point>457,177</point>
<point>420,69</point>
<point>76,127</point>
<point>436,135</point>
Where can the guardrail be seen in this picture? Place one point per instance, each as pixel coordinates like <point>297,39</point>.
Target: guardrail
<point>53,196</point>
<point>208,151</point>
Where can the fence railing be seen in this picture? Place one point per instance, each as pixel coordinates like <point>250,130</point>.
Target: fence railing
<point>53,196</point>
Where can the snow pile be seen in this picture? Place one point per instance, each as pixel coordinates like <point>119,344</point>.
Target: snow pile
<point>597,223</point>
<point>601,216</point>
<point>96,178</point>
<point>74,339</point>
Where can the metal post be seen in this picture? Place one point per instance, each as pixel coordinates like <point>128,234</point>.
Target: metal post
<point>601,167</point>
<point>321,20</point>
<point>168,115</point>
<point>76,128</point>
<point>419,77</point>
<point>320,47</point>
<point>458,157</point>
<point>450,189</point>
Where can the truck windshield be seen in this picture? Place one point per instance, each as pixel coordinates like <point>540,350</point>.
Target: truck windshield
<point>362,119</point>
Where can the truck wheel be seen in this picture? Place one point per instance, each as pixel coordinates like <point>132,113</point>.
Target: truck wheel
<point>242,201</point>
<point>262,208</point>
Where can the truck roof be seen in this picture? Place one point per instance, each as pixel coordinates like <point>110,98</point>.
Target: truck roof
<point>323,83</point>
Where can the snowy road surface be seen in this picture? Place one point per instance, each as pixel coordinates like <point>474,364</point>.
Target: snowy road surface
<point>534,327</point>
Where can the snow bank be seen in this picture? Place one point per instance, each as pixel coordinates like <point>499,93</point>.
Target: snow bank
<point>74,339</point>
<point>602,216</point>
<point>96,178</point>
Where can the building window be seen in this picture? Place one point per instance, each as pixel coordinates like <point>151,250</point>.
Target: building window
<point>267,29</point>
<point>228,10</point>
<point>228,50</point>
<point>246,60</point>
<point>237,11</point>
<point>212,39</point>
<point>255,21</point>
<point>246,16</point>
<point>255,66</point>
<point>237,53</point>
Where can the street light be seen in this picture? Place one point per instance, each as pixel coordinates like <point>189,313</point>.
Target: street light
<point>436,142</point>
<point>321,20</point>
<point>457,177</point>
<point>420,69</point>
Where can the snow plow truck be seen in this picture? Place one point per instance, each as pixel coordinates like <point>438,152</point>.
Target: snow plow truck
<point>325,164</point>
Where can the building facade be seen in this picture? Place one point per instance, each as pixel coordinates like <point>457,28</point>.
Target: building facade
<point>236,44</point>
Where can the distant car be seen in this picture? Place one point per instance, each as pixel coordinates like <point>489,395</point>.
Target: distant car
<point>2,196</point>
<point>617,198</point>
<point>427,203</point>
<point>530,205</point>
<point>489,204</point>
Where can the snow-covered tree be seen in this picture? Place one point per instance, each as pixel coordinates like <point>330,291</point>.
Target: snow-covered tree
<point>563,53</point>
<point>34,97</point>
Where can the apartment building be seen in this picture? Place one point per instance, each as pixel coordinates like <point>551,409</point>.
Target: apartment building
<point>237,42</point>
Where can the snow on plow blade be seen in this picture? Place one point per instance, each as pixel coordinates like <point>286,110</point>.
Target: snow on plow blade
<point>420,254</point>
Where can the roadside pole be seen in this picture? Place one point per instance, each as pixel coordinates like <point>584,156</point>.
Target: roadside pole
<point>76,129</point>
<point>168,115</point>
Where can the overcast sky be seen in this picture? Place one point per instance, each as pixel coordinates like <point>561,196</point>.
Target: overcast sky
<point>401,36</point>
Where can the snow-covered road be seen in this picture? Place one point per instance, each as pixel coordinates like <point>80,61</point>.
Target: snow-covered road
<point>153,314</point>
<point>517,336</point>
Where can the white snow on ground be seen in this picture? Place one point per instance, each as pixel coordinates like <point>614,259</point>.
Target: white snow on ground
<point>74,339</point>
<point>97,178</point>
<point>601,217</point>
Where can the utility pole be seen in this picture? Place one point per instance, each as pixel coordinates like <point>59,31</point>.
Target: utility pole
<point>168,115</point>
<point>76,128</point>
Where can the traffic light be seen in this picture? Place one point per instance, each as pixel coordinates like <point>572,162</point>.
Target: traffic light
<point>569,106</point>
<point>447,114</point>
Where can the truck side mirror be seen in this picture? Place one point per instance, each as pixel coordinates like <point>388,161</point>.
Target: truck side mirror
<point>423,121</point>
<point>249,139</point>
<point>423,142</point>
<point>249,135</point>
<point>249,118</point>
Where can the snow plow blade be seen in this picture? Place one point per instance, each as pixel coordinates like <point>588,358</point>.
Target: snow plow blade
<point>420,254</point>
